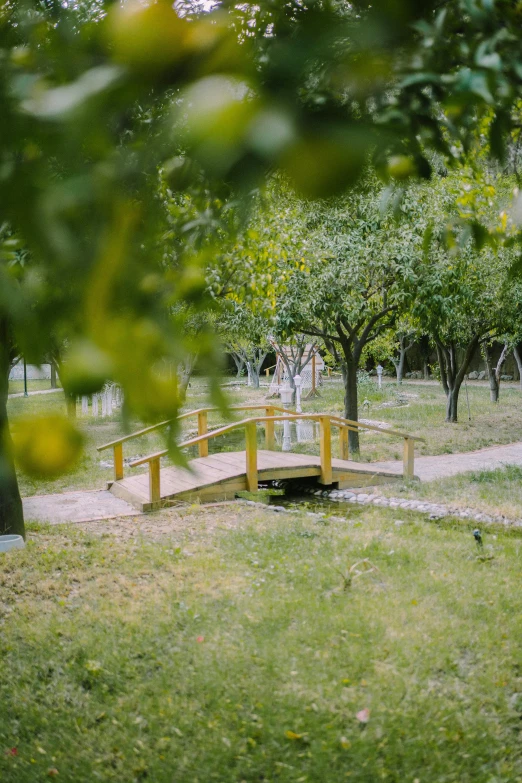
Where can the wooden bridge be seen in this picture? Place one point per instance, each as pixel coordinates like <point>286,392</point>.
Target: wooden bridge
<point>219,476</point>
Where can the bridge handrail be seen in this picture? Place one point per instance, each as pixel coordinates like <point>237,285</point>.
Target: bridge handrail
<point>202,415</point>
<point>357,425</point>
<point>182,416</point>
<point>325,421</point>
<point>338,421</point>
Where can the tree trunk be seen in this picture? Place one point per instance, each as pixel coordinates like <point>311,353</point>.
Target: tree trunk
<point>54,383</point>
<point>452,401</point>
<point>11,510</point>
<point>498,369</point>
<point>493,382</point>
<point>494,372</point>
<point>255,366</point>
<point>239,362</point>
<point>350,401</point>
<point>424,344</point>
<point>400,367</point>
<point>452,376</point>
<point>518,359</point>
<point>254,374</point>
<point>401,361</point>
<point>185,373</point>
<point>70,402</point>
<point>442,368</point>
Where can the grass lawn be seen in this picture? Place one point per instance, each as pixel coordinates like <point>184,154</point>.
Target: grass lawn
<point>224,644</point>
<point>15,387</point>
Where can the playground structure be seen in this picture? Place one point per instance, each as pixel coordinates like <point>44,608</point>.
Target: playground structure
<point>311,366</point>
<point>219,476</point>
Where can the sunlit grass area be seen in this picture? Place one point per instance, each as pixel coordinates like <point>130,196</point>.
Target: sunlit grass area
<point>235,644</point>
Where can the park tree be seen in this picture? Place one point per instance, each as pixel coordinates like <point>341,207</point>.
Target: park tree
<point>494,371</point>
<point>244,334</point>
<point>460,302</point>
<point>296,351</point>
<point>405,335</point>
<point>359,282</point>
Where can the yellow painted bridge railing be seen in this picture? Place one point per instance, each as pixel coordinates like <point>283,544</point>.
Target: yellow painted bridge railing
<point>326,421</point>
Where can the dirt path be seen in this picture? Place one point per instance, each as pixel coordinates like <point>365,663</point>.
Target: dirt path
<point>443,465</point>
<point>84,506</point>
<point>32,393</point>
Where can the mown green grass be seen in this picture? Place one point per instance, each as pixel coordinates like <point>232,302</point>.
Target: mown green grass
<point>224,647</point>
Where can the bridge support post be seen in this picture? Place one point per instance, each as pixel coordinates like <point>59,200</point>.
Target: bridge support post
<point>251,456</point>
<point>202,430</point>
<point>154,480</point>
<point>326,451</point>
<point>118,461</point>
<point>269,430</point>
<point>408,462</point>
<point>344,451</point>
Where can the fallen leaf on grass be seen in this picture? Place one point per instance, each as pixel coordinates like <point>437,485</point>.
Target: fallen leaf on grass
<point>53,772</point>
<point>11,752</point>
<point>363,716</point>
<point>291,735</point>
<point>200,639</point>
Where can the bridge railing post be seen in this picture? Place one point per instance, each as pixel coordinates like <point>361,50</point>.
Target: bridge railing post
<point>118,461</point>
<point>408,459</point>
<point>154,480</point>
<point>251,456</point>
<point>269,430</point>
<point>344,452</point>
<point>325,450</point>
<point>202,430</point>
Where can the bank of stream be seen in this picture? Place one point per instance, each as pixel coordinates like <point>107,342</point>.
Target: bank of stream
<point>293,495</point>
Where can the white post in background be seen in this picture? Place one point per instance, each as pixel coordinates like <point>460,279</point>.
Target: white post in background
<point>85,406</point>
<point>94,404</point>
<point>109,401</point>
<point>297,382</point>
<point>249,382</point>
<point>379,375</point>
<point>286,399</point>
<point>104,404</point>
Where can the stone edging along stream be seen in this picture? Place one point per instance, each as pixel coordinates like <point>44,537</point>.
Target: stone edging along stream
<point>434,510</point>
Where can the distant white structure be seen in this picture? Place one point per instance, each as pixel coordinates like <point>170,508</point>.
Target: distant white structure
<point>34,373</point>
<point>104,403</point>
<point>314,367</point>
